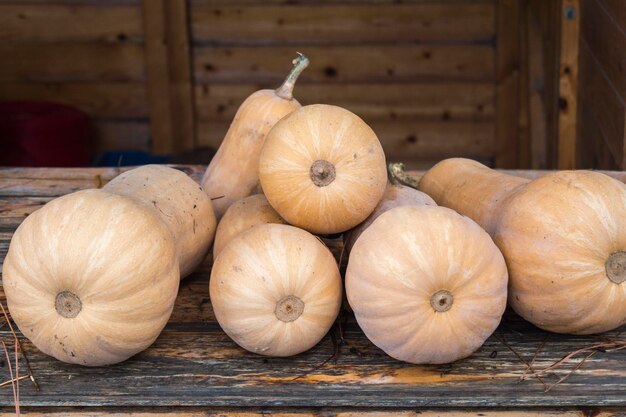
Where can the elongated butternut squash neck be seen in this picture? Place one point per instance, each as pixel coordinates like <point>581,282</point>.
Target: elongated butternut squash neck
<point>234,170</point>
<point>470,188</point>
<point>180,203</point>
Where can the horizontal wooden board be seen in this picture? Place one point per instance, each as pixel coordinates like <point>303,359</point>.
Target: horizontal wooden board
<point>444,101</point>
<point>108,100</point>
<point>415,140</point>
<point>607,42</point>
<point>347,24</point>
<point>354,63</point>
<point>121,135</point>
<point>602,102</point>
<point>74,62</point>
<point>61,23</point>
<point>300,412</point>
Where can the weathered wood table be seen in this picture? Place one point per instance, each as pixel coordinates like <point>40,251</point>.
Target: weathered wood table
<point>193,369</point>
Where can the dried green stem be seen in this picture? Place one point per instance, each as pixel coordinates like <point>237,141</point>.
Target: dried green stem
<point>397,175</point>
<point>285,91</point>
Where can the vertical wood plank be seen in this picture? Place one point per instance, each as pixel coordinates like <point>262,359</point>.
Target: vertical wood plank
<point>507,83</point>
<point>524,120</point>
<point>537,84</point>
<point>568,84</point>
<point>168,63</point>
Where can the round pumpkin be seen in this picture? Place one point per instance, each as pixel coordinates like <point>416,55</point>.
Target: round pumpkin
<point>91,277</point>
<point>241,216</point>
<point>426,284</point>
<point>275,290</point>
<point>322,168</point>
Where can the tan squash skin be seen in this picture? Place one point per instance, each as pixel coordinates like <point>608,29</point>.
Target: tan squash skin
<point>275,290</point>
<point>182,204</point>
<point>562,236</point>
<point>427,285</point>
<point>470,188</point>
<point>241,216</point>
<point>114,254</point>
<point>233,173</point>
<point>323,169</point>
<point>91,277</point>
<point>396,195</point>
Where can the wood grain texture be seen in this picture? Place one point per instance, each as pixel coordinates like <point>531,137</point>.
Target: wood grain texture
<point>102,100</point>
<point>342,64</point>
<point>72,62</point>
<point>507,83</point>
<point>606,41</point>
<point>47,23</point>
<point>602,102</point>
<point>169,76</point>
<point>439,101</point>
<point>299,412</point>
<point>194,364</point>
<point>568,84</point>
<point>410,139</point>
<point>306,24</point>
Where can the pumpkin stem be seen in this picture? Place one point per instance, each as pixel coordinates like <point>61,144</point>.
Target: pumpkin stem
<point>68,304</point>
<point>616,267</point>
<point>441,301</point>
<point>289,308</point>
<point>397,175</point>
<point>322,173</point>
<point>285,91</point>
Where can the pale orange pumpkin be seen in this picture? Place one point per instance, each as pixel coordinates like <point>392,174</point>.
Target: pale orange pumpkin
<point>426,284</point>
<point>91,277</point>
<point>275,290</point>
<point>241,216</point>
<point>233,173</point>
<point>323,169</point>
<point>561,235</point>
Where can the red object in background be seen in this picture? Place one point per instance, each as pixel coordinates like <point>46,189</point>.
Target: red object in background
<point>43,134</point>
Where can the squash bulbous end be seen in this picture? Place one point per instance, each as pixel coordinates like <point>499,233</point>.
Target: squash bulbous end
<point>322,173</point>
<point>616,267</point>
<point>442,301</point>
<point>289,308</point>
<point>68,304</point>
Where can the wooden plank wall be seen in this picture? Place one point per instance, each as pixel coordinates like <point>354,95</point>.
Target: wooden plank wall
<point>421,72</point>
<point>602,84</point>
<point>88,54</point>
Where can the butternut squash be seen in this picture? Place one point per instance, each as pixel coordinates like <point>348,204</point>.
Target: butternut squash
<point>323,169</point>
<point>396,195</point>
<point>91,277</point>
<point>561,235</point>
<point>275,290</point>
<point>426,284</point>
<point>241,216</point>
<point>233,173</point>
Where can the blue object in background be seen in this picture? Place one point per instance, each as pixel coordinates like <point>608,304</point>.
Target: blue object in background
<point>129,158</point>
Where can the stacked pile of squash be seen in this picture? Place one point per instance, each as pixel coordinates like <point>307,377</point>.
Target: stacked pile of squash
<point>91,278</point>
